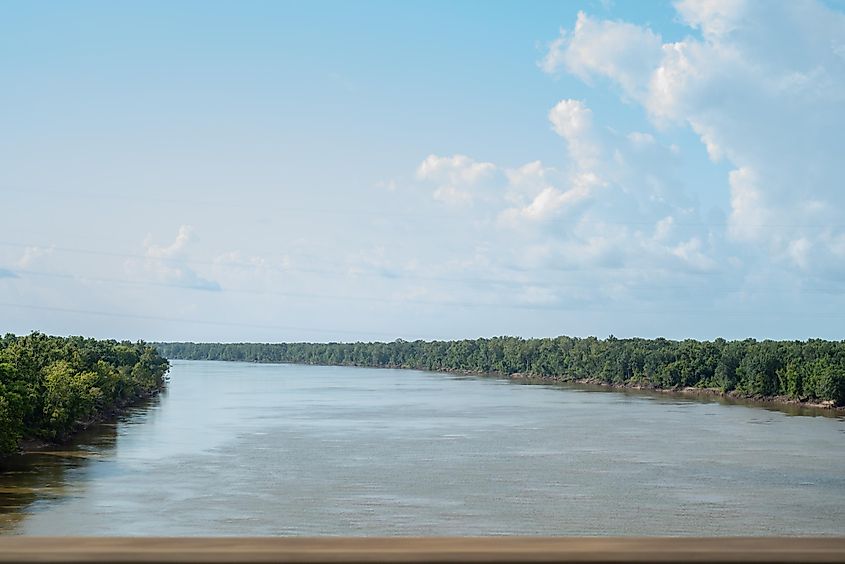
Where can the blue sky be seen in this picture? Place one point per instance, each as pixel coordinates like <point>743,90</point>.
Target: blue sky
<point>270,171</point>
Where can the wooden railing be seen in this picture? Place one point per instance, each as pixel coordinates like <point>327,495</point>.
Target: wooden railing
<point>419,550</point>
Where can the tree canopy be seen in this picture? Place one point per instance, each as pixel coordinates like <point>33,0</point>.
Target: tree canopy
<point>51,386</point>
<point>811,370</point>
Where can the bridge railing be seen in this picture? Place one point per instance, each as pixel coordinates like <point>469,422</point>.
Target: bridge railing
<point>361,550</point>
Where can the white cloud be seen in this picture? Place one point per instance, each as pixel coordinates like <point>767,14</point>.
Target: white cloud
<point>763,88</point>
<point>550,200</point>
<point>169,264</point>
<point>531,178</point>
<point>748,214</point>
<point>173,250</point>
<point>692,254</point>
<point>621,51</point>
<point>578,215</point>
<point>799,251</point>
<point>456,178</point>
<point>715,18</point>
<point>615,217</point>
<point>573,121</point>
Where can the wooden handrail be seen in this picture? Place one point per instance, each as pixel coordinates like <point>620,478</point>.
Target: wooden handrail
<point>360,550</point>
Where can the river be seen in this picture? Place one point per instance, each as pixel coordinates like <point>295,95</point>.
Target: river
<point>260,449</point>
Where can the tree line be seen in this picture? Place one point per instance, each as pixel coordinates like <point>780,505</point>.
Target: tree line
<point>812,370</point>
<point>51,386</point>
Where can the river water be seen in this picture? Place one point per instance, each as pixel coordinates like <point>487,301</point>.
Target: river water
<point>252,449</point>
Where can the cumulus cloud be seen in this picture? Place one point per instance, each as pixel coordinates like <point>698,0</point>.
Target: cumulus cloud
<point>573,121</point>
<point>553,192</point>
<point>763,87</point>
<point>620,211</point>
<point>550,200</point>
<point>618,50</point>
<point>613,202</point>
<point>175,249</point>
<point>715,18</point>
<point>169,264</point>
<point>692,253</point>
<point>534,191</point>
<point>456,178</point>
<point>748,213</point>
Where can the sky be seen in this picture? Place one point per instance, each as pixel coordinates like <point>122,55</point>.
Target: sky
<point>345,171</point>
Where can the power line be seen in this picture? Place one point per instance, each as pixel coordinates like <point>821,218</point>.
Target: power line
<point>328,272</point>
<point>313,296</point>
<point>123,315</point>
<point>235,204</point>
<point>384,214</point>
<point>640,288</point>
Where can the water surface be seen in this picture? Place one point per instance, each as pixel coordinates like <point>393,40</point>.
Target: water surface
<point>251,449</point>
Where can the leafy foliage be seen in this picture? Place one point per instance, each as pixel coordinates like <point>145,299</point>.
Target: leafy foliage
<point>811,370</point>
<point>50,386</point>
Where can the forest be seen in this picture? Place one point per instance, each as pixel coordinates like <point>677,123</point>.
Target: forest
<point>809,371</point>
<point>52,386</point>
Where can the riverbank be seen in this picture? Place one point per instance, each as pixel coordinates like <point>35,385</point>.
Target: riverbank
<point>53,387</point>
<point>782,403</point>
<point>33,444</point>
<point>812,370</point>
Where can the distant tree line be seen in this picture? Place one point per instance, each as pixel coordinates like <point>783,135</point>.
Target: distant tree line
<point>51,386</point>
<point>811,370</point>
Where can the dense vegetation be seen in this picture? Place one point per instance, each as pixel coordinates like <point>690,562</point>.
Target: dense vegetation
<point>50,386</point>
<point>811,370</point>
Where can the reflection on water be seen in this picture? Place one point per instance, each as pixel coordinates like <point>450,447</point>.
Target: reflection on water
<point>44,476</point>
<point>244,449</point>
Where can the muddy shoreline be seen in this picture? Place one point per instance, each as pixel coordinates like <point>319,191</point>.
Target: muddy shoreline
<point>782,403</point>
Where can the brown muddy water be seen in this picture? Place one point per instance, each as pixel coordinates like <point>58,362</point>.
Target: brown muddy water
<point>250,449</point>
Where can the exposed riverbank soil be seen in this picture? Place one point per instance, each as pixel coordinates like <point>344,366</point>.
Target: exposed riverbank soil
<point>715,393</point>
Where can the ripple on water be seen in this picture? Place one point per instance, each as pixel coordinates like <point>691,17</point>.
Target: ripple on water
<point>256,449</point>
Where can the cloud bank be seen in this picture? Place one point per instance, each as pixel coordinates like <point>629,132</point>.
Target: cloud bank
<point>763,87</point>
<point>769,110</point>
